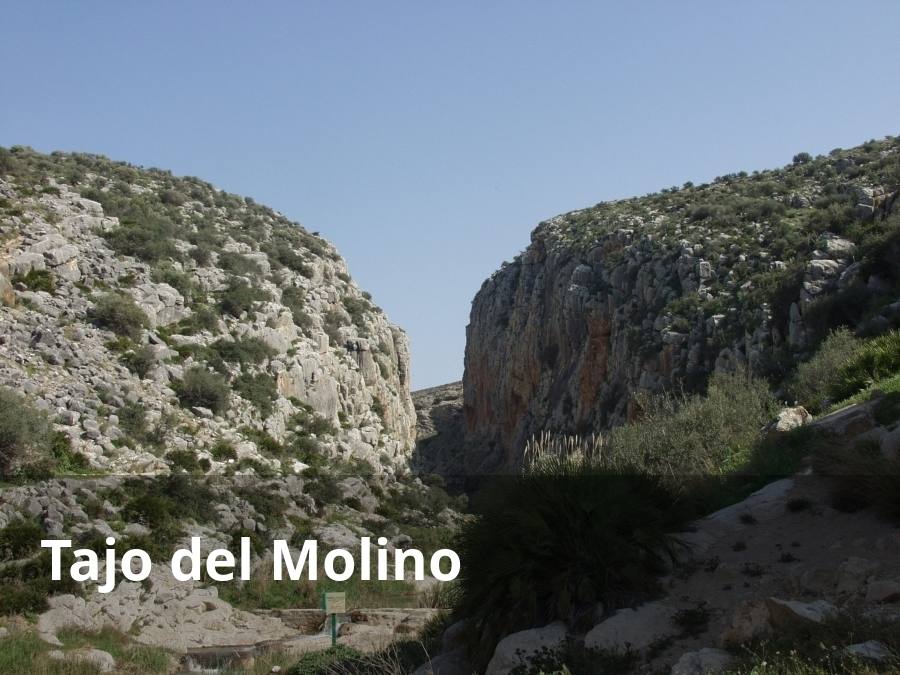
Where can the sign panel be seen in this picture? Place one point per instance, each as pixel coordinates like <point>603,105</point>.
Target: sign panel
<point>335,603</point>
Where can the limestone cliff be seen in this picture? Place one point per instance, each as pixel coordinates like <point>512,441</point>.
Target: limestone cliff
<point>221,285</point>
<point>656,292</point>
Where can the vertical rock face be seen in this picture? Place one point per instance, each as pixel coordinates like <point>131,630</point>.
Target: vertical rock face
<point>656,292</point>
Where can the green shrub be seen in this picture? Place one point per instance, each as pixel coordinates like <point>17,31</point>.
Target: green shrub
<point>697,435</point>
<point>235,263</point>
<point>167,273</point>
<point>133,419</point>
<point>223,451</point>
<point>240,297</point>
<point>876,359</point>
<point>25,587</point>
<point>172,197</point>
<point>306,421</point>
<point>64,458</point>
<point>244,351</point>
<point>140,360</point>
<point>295,299</point>
<point>162,504</point>
<point>37,280</point>
<point>149,241</point>
<point>264,441</point>
<point>810,384</point>
<point>281,253</point>
<point>322,486</point>
<point>20,539</point>
<point>24,431</point>
<point>259,389</point>
<point>332,324</point>
<point>357,308</point>
<point>185,460</point>
<point>120,314</point>
<point>201,388</point>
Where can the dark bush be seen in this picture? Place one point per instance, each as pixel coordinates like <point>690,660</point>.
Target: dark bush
<point>306,421</point>
<point>120,314</point>
<point>238,264</point>
<point>37,280</point>
<point>133,420</point>
<point>24,431</point>
<point>223,451</point>
<point>202,318</point>
<point>559,543</point>
<point>240,297</point>
<point>184,460</point>
<point>20,539</point>
<point>140,360</point>
<point>167,273</point>
<point>357,308</point>
<point>172,197</point>
<point>259,389</point>
<point>245,351</point>
<point>148,241</point>
<point>201,388</point>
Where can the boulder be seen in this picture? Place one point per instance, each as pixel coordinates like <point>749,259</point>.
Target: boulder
<point>870,651</point>
<point>60,255</point>
<point>7,294</point>
<point>706,661</point>
<point>514,651</point>
<point>749,621</point>
<point>854,573</point>
<point>792,613</point>
<point>880,592</point>
<point>102,661</point>
<point>448,663</point>
<point>632,629</point>
<point>788,419</point>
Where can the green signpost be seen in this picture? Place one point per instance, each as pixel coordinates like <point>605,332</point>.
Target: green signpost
<point>334,604</point>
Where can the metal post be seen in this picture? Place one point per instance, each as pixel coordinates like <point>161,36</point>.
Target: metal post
<point>333,630</point>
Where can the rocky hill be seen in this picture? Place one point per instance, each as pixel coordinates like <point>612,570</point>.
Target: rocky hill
<point>161,321</point>
<point>656,292</point>
<point>177,361</point>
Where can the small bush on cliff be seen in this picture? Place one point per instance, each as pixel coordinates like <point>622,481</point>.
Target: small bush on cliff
<point>259,389</point>
<point>150,240</point>
<point>201,388</point>
<point>120,314</point>
<point>24,431</point>
<point>37,280</point>
<point>809,386</point>
<point>246,350</point>
<point>876,359</point>
<point>139,360</point>
<point>240,297</point>
<point>20,539</point>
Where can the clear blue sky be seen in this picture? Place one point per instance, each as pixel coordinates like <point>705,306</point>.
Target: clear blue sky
<point>426,139</point>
